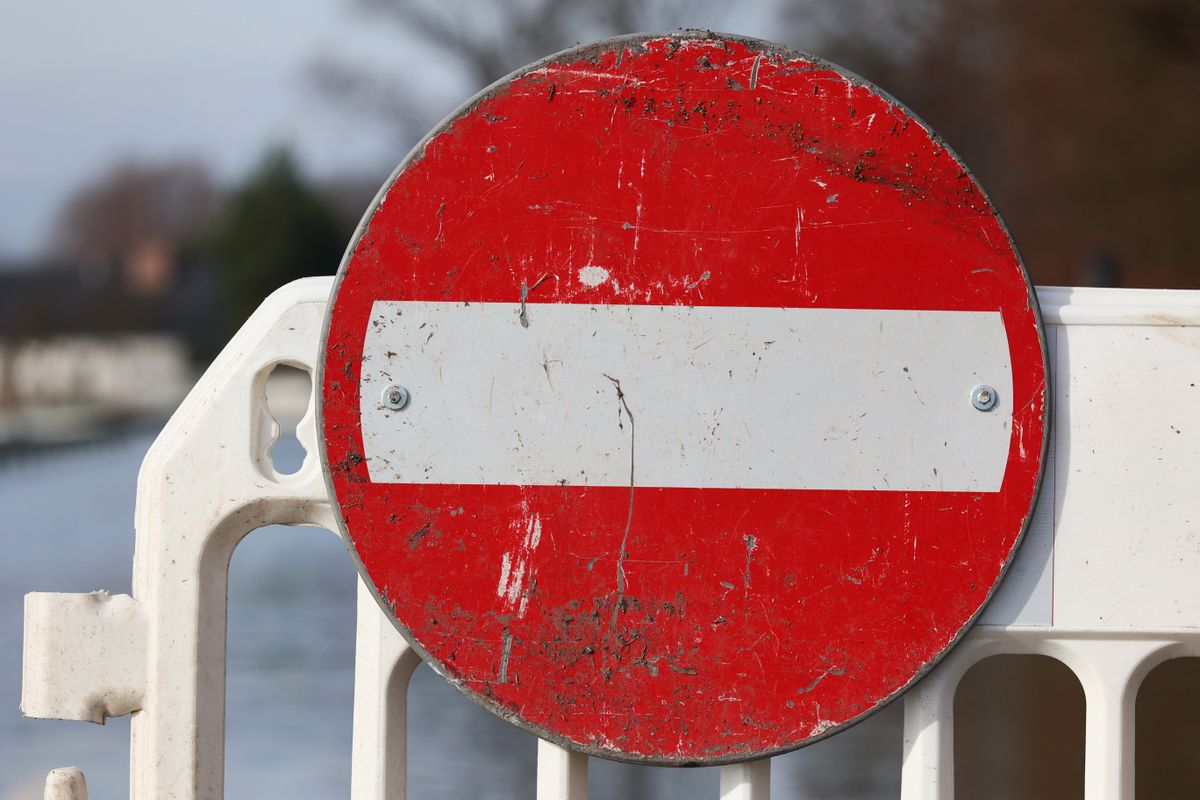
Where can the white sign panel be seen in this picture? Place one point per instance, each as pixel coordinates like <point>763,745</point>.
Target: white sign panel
<point>721,397</point>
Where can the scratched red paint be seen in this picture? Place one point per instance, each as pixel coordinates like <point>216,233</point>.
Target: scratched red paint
<point>662,159</point>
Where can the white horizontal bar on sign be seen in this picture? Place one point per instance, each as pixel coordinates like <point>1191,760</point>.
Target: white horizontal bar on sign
<point>715,397</point>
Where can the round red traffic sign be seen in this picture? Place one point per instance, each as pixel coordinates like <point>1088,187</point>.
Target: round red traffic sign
<point>683,398</point>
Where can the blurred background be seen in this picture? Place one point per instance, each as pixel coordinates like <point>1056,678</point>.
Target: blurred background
<point>165,166</point>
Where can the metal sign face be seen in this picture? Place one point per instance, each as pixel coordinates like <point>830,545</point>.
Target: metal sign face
<point>684,399</point>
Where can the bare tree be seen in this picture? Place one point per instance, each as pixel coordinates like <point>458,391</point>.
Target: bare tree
<point>485,41</point>
<point>1081,121</point>
<point>133,204</point>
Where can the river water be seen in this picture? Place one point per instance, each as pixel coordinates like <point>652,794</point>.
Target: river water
<point>67,525</point>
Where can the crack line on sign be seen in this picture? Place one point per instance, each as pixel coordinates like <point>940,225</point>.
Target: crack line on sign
<point>525,290</point>
<point>824,674</point>
<point>629,517</point>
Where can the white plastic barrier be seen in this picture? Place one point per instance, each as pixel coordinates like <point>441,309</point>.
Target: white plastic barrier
<point>1105,582</point>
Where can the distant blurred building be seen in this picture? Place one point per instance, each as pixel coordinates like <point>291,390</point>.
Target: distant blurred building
<point>84,347</point>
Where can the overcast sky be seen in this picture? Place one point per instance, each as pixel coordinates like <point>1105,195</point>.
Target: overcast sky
<point>84,83</point>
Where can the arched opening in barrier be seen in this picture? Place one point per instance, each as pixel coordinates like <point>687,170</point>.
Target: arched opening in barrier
<point>860,763</point>
<point>290,677</point>
<point>1019,730</point>
<point>612,780</point>
<point>457,749</point>
<point>1167,725</point>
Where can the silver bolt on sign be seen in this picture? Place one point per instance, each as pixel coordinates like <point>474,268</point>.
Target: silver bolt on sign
<point>983,397</point>
<point>395,397</point>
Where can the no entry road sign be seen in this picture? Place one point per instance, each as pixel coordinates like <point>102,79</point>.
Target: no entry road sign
<point>684,399</point>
